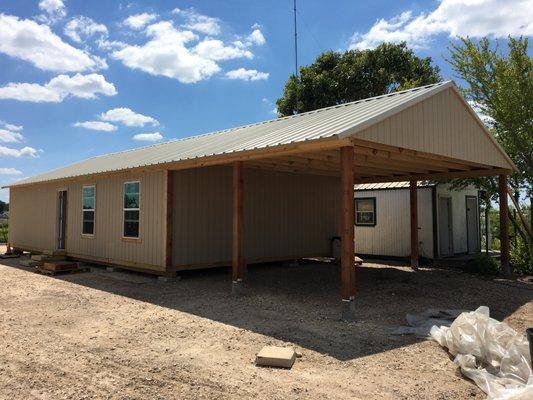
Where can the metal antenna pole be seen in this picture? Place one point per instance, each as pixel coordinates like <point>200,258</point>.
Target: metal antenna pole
<point>296,57</point>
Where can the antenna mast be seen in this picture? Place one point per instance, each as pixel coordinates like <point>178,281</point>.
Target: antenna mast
<point>296,57</point>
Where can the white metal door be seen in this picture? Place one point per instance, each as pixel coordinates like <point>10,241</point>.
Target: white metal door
<point>472,224</point>
<point>445,226</point>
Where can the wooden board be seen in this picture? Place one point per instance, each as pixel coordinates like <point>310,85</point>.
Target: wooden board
<point>41,270</point>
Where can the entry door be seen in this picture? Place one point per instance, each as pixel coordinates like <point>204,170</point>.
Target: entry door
<point>61,219</point>
<point>472,224</point>
<point>445,226</point>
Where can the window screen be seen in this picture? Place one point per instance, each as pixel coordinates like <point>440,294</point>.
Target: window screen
<point>132,209</point>
<point>365,211</point>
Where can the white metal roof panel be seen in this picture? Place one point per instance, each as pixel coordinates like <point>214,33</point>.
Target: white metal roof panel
<point>391,185</point>
<point>323,123</point>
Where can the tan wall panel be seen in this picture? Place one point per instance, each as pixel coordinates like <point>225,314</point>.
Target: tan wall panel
<point>285,215</point>
<point>440,125</point>
<point>32,216</point>
<point>391,235</point>
<point>34,213</point>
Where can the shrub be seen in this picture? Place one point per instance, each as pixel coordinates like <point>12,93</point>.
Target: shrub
<point>483,265</point>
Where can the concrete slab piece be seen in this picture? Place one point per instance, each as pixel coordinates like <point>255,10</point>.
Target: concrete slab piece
<point>273,356</point>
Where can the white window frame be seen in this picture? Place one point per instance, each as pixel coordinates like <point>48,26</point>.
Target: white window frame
<point>124,209</point>
<point>83,210</point>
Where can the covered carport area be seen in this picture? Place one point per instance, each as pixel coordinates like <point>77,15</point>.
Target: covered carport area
<point>428,133</point>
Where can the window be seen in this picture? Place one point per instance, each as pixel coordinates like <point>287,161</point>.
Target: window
<point>88,206</point>
<point>365,211</point>
<point>132,208</point>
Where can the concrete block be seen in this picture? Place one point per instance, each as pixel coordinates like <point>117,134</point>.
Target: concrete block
<point>237,288</point>
<point>273,356</point>
<point>163,278</point>
<point>348,310</point>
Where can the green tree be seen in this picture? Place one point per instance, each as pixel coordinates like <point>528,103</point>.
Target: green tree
<point>501,87</point>
<point>3,206</point>
<point>336,78</point>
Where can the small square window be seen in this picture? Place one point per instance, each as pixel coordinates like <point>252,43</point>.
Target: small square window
<point>365,211</point>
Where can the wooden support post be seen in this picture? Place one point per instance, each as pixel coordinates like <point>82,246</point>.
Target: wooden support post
<point>347,233</point>
<point>238,229</point>
<point>169,220</point>
<point>413,202</point>
<point>504,225</point>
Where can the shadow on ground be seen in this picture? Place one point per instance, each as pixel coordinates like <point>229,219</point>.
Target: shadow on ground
<point>301,304</point>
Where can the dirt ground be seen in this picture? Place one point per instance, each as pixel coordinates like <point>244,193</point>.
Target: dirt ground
<point>121,335</point>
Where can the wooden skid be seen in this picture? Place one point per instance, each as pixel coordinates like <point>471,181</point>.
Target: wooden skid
<point>41,270</point>
<point>60,265</point>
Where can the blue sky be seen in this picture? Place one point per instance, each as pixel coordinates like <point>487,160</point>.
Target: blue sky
<point>83,78</point>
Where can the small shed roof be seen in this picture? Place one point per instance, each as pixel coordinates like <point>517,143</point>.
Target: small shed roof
<point>391,185</point>
<point>332,123</point>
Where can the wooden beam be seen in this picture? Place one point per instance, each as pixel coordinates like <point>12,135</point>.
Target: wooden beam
<point>347,233</point>
<point>395,167</point>
<point>169,219</point>
<point>437,176</point>
<point>412,153</point>
<point>413,202</point>
<point>504,225</point>
<point>237,228</point>
<point>272,166</point>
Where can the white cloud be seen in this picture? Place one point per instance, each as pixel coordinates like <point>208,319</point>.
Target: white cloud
<point>10,171</point>
<point>216,50</point>
<point>54,11</point>
<point>36,43</point>
<point>96,126</point>
<point>58,88</point>
<point>139,21</point>
<point>24,152</point>
<point>148,137</point>
<point>256,37</point>
<point>474,18</point>
<point>166,53</point>
<point>11,127</point>
<point>247,74</point>
<point>80,28</point>
<point>127,117</point>
<point>7,136</point>
<point>198,22</point>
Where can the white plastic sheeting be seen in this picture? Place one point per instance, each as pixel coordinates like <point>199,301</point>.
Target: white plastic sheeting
<point>490,353</point>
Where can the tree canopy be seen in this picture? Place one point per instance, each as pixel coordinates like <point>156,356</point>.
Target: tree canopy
<point>500,85</point>
<point>336,78</point>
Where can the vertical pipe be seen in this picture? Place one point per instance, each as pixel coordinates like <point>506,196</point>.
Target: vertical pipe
<point>413,202</point>
<point>504,225</point>
<point>237,229</point>
<point>347,233</point>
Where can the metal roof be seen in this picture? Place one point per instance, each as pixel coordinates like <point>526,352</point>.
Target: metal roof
<point>323,123</point>
<point>391,185</point>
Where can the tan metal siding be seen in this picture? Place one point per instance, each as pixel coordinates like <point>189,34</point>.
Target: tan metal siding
<point>286,215</point>
<point>390,236</point>
<point>34,212</point>
<point>447,129</point>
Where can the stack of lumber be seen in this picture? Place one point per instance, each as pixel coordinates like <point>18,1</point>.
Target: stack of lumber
<point>38,260</point>
<point>61,267</point>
